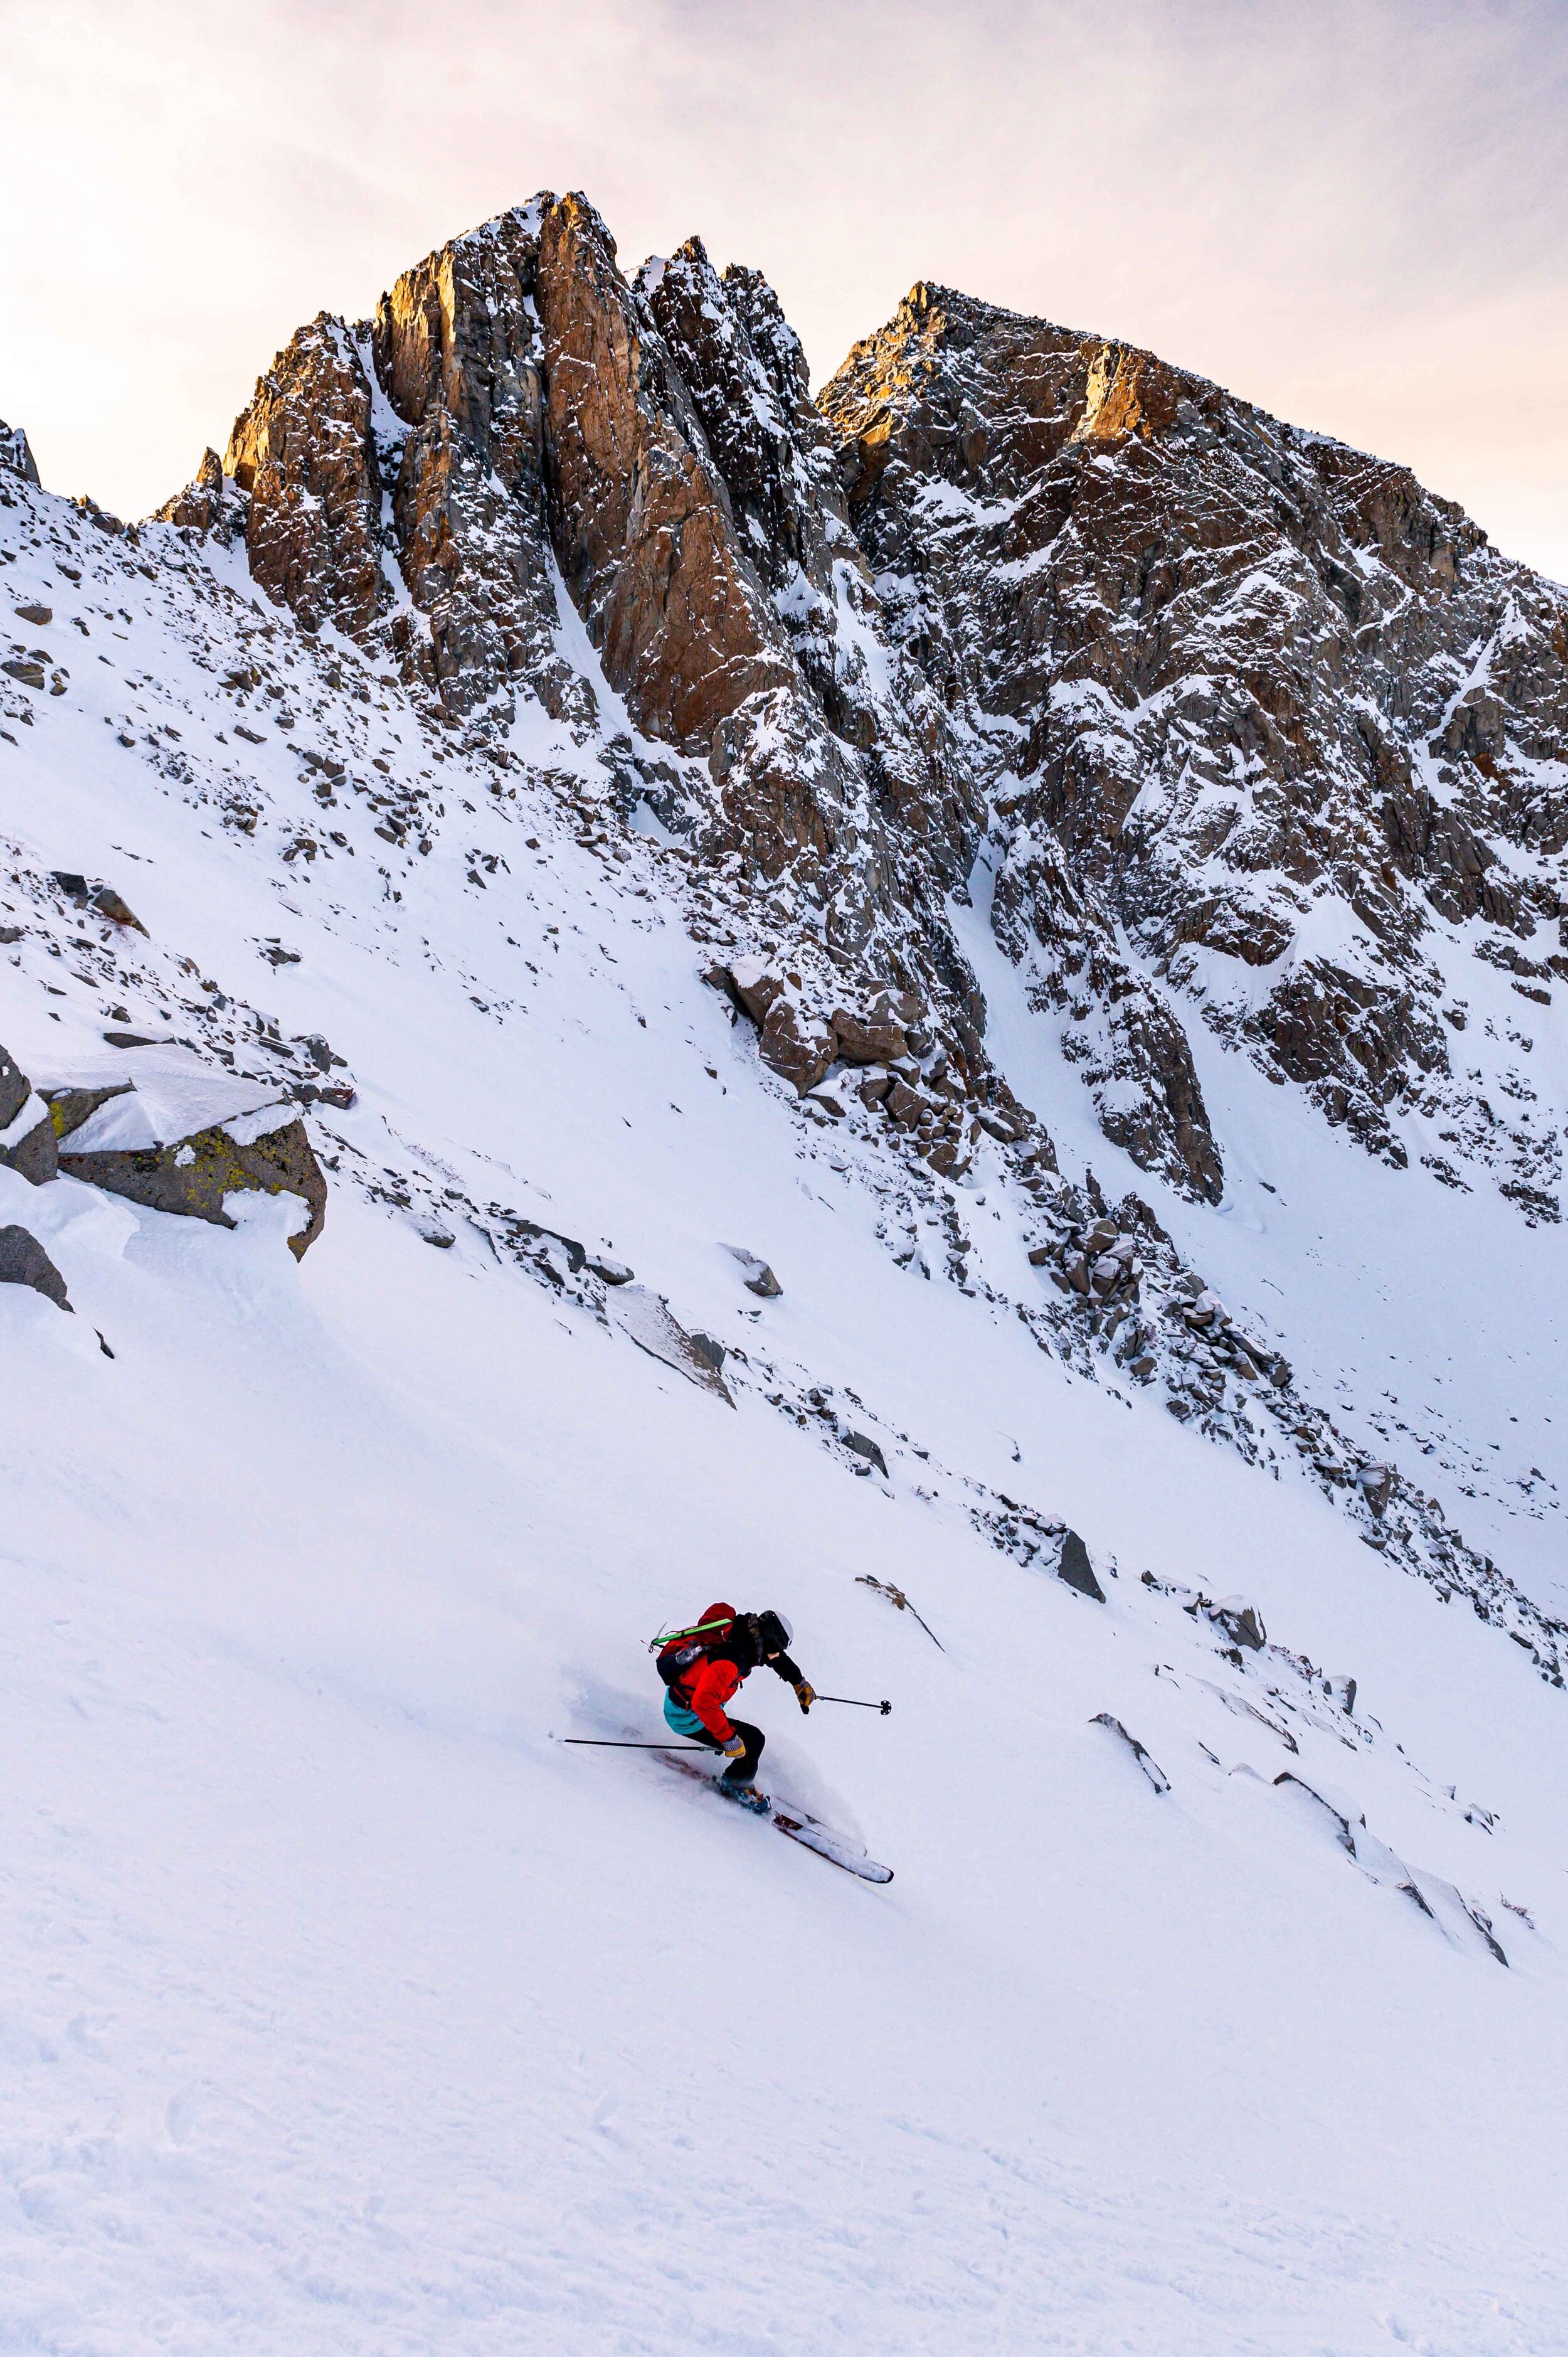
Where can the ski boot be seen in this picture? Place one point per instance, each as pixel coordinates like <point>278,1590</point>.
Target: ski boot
<point>747,1795</point>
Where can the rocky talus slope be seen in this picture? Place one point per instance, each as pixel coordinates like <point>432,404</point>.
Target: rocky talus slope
<point>1231,741</point>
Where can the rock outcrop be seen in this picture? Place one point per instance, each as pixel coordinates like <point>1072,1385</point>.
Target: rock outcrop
<point>304,455</point>
<point>641,517</point>
<point>27,1133</point>
<point>179,1137</point>
<point>1074,1566</point>
<point>519,424</point>
<point>456,350</point>
<point>24,1260</point>
<point>15,454</point>
<point>646,1320</point>
<point>210,503</point>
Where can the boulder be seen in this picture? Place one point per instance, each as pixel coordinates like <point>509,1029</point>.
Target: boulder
<point>756,1275</point>
<point>555,1257</point>
<point>22,1261</point>
<point>108,903</point>
<point>192,1174</point>
<point>179,1137</point>
<point>1242,1622</point>
<point>904,1104</point>
<point>1074,1566</point>
<point>70,1108</point>
<point>797,1046</point>
<point>1377,1484</point>
<point>754,984</point>
<point>102,897</point>
<point>27,1133</point>
<point>863,1446</point>
<point>880,1034</point>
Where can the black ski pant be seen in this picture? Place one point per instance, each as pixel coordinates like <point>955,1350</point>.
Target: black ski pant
<point>742,1771</point>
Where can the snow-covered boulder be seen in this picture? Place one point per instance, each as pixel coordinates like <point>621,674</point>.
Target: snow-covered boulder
<point>1241,1621</point>
<point>755,1274</point>
<point>880,1034</point>
<point>158,1126</point>
<point>796,1041</point>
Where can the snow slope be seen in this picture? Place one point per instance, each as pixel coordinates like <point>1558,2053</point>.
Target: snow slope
<point>345,2009</point>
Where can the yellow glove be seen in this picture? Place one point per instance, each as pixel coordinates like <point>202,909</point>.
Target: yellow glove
<point>736,1748</point>
<point>807,1693</point>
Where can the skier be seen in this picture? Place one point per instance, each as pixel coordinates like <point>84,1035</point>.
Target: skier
<point>702,1668</point>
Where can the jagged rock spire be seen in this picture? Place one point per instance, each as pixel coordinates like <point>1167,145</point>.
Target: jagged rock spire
<point>1226,721</point>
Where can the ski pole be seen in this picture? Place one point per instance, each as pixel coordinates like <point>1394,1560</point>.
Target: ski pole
<point>884,1707</point>
<point>609,1743</point>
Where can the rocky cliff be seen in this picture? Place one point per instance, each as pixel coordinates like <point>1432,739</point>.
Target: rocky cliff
<point>1245,740</point>
<point>1268,724</point>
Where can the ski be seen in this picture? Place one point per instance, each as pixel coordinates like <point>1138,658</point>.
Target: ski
<point>812,1836</point>
<point>799,1826</point>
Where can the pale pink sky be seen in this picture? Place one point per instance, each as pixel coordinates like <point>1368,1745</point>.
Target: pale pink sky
<point>1351,211</point>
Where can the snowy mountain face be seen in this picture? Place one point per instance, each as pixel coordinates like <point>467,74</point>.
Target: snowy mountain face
<point>934,1006</point>
<point>1261,707</point>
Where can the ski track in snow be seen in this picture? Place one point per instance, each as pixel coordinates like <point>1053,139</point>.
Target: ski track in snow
<point>346,2011</point>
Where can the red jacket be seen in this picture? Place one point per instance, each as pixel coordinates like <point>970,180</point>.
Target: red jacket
<point>707,1688</point>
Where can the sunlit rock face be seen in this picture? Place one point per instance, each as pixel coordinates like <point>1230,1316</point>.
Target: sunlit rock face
<point>1204,718</point>
<point>1266,712</point>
